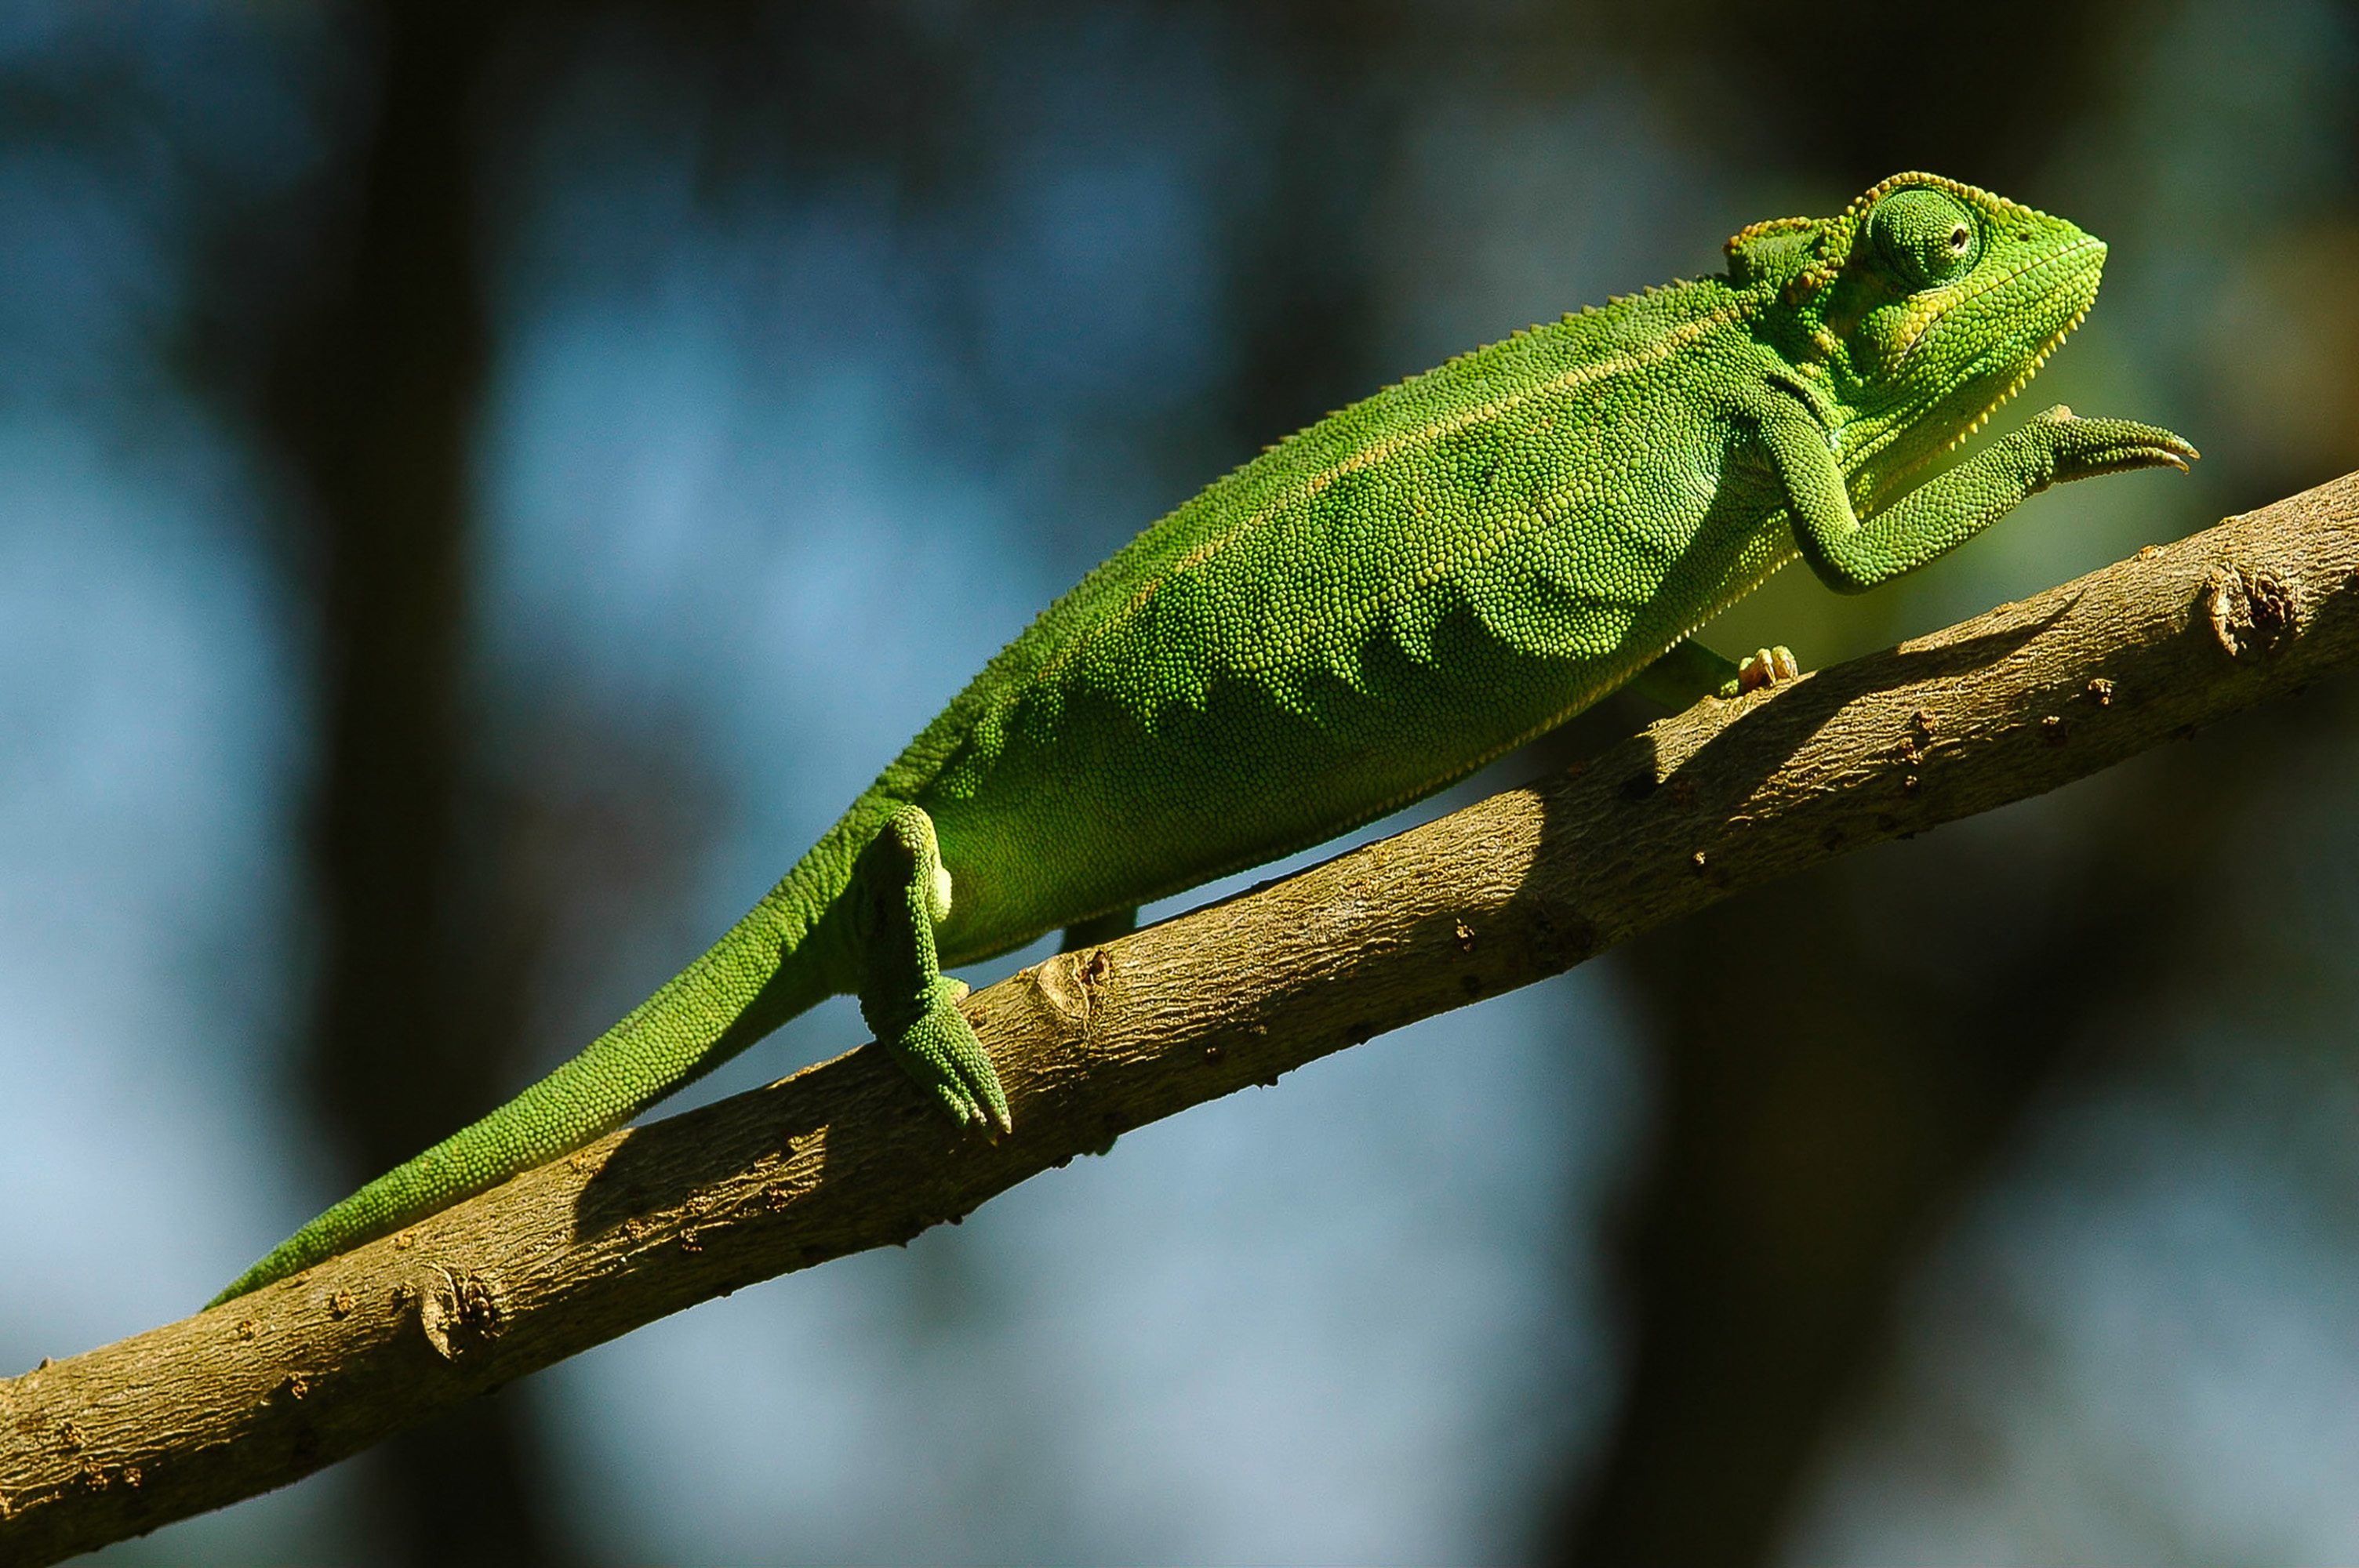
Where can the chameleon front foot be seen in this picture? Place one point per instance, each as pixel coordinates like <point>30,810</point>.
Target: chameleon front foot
<point>2078,448</point>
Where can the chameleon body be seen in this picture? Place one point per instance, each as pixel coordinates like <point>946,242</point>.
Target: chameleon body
<point>1369,611</point>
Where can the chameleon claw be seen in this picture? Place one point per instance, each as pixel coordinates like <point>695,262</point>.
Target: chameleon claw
<point>1767,667</point>
<point>971,1111</point>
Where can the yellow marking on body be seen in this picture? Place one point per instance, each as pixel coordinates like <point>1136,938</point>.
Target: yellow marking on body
<point>1579,375</point>
<point>1369,456</point>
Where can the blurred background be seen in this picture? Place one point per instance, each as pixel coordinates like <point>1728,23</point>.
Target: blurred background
<point>482,485</point>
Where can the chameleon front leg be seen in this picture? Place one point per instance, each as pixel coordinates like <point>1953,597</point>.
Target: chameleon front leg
<point>1851,555</point>
<point>907,1001</point>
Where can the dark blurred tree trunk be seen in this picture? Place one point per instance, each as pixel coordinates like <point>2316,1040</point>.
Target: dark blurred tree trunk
<point>373,392</point>
<point>1816,1121</point>
<point>1841,1058</point>
<point>1841,1061</point>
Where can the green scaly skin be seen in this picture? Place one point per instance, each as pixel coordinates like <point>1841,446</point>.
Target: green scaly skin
<point>1369,611</point>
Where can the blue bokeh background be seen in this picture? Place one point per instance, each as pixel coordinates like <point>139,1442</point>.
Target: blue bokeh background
<point>765,467</point>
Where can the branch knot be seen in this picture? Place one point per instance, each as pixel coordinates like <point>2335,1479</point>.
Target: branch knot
<point>2249,609</point>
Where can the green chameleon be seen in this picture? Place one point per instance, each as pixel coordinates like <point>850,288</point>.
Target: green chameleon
<point>1369,611</point>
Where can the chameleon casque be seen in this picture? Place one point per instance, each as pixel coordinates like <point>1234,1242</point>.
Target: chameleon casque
<point>1368,611</point>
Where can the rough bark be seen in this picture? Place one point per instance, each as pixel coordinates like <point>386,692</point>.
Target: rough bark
<point>846,1155</point>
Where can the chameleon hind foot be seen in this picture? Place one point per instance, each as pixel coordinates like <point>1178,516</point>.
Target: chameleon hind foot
<point>906,999</point>
<point>941,1051</point>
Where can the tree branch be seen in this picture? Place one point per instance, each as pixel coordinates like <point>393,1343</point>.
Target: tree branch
<point>846,1155</point>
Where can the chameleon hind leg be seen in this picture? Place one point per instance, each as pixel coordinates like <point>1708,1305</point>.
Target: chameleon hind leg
<point>907,1001</point>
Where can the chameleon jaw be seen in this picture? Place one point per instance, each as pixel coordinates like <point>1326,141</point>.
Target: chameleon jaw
<point>2055,340</point>
<point>2022,380</point>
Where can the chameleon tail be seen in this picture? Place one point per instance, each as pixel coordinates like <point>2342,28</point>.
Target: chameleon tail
<point>751,981</point>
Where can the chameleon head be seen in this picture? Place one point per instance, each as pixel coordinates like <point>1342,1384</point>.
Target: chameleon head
<point>1929,303</point>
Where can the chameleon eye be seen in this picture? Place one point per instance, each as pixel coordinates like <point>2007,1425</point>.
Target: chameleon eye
<point>1924,236</point>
